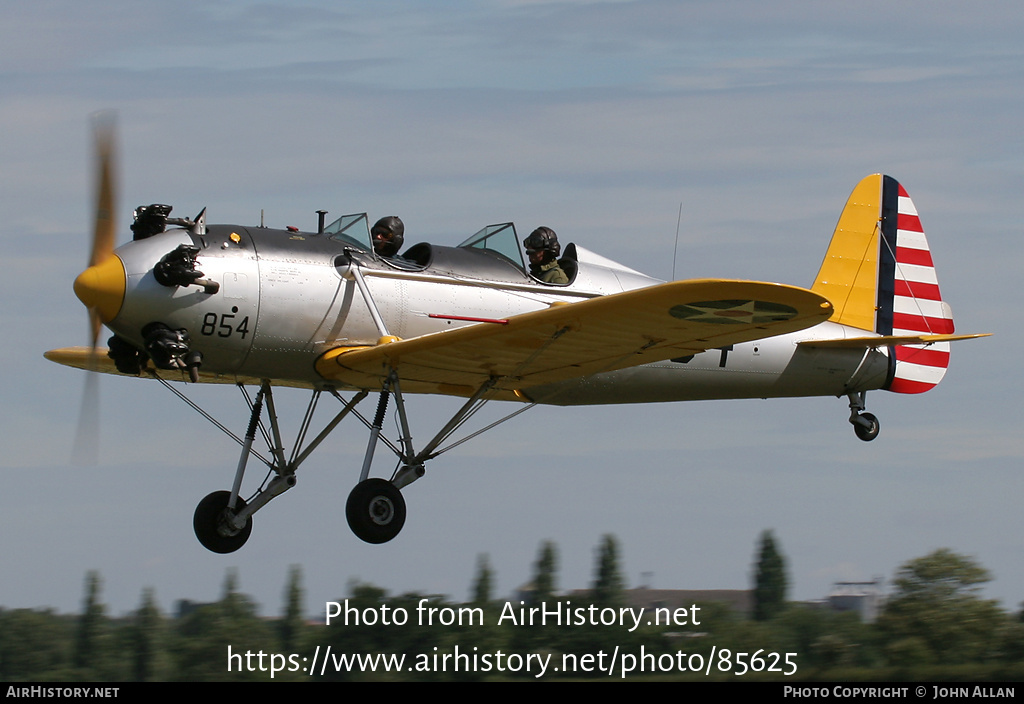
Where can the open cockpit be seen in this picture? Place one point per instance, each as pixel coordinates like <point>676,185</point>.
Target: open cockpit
<point>493,253</point>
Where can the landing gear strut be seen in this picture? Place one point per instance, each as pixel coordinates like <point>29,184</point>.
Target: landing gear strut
<point>223,520</point>
<point>375,509</point>
<point>865,425</point>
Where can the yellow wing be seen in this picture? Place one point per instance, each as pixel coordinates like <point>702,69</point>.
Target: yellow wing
<point>84,358</point>
<point>98,361</point>
<point>578,339</point>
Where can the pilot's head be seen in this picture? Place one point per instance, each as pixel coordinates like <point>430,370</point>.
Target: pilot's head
<point>387,234</point>
<point>542,245</point>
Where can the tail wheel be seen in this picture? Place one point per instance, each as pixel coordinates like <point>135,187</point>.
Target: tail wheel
<point>213,527</point>
<point>375,511</point>
<point>869,431</point>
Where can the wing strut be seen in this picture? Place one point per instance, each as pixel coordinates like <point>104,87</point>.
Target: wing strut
<point>410,463</point>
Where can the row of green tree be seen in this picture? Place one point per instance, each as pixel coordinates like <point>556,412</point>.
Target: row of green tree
<point>935,625</point>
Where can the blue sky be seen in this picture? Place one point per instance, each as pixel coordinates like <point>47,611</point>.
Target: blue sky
<point>598,119</point>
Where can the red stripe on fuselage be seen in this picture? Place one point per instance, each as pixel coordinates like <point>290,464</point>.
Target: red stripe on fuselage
<point>468,319</point>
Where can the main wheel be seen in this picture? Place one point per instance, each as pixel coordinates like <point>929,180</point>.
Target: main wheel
<point>212,526</point>
<point>867,434</point>
<point>375,511</point>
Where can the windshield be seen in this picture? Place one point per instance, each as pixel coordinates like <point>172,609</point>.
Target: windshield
<point>499,239</point>
<point>352,229</point>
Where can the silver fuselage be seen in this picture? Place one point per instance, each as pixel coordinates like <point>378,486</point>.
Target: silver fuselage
<point>286,297</point>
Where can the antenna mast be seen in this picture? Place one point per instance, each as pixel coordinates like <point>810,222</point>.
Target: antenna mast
<point>675,248</point>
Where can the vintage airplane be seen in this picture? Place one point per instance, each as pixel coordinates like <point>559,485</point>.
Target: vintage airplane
<point>188,301</point>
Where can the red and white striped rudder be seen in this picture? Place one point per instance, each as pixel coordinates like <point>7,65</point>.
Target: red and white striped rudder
<point>909,302</point>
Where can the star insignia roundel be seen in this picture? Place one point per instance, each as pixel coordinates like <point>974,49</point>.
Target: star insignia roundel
<point>732,312</point>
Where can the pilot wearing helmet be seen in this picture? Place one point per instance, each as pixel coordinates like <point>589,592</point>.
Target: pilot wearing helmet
<point>387,234</point>
<point>542,248</point>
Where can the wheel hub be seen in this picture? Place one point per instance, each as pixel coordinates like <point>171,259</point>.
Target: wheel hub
<point>226,524</point>
<point>382,511</point>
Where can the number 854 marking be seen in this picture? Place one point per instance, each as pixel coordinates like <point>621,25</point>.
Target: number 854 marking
<point>225,324</point>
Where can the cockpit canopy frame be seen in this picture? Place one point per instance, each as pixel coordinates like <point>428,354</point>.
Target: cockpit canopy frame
<point>500,239</point>
<point>351,229</point>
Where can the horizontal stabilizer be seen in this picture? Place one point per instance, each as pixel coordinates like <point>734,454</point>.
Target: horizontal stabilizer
<point>887,340</point>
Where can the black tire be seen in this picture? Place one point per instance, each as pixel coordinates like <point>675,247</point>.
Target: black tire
<point>375,511</point>
<point>867,434</point>
<point>209,523</point>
